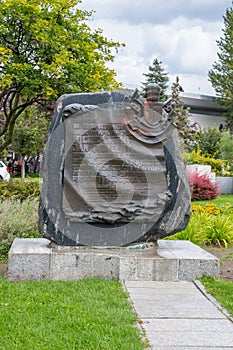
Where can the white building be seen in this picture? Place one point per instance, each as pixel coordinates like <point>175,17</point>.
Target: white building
<point>204,110</point>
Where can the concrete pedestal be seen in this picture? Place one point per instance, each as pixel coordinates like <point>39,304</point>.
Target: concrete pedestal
<point>37,258</point>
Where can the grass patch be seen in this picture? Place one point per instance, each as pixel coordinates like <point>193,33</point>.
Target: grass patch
<point>28,177</point>
<point>87,314</point>
<point>223,200</point>
<point>221,290</point>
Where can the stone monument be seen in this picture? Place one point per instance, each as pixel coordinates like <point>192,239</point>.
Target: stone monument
<point>114,183</point>
<point>113,171</point>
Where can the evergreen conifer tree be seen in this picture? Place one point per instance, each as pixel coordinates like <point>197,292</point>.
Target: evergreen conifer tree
<point>185,129</point>
<point>158,75</point>
<point>221,75</point>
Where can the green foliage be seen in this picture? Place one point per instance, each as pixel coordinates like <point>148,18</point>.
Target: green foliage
<point>46,50</point>
<point>222,291</point>
<point>225,200</point>
<point>201,187</point>
<point>30,132</point>
<point>186,131</point>
<point>209,225</point>
<point>221,75</point>
<point>195,231</point>
<point>208,141</point>
<point>3,153</point>
<point>87,314</point>
<point>33,176</point>
<point>196,157</point>
<point>19,190</point>
<point>220,231</point>
<point>18,219</point>
<point>210,145</point>
<point>158,75</point>
<point>226,151</point>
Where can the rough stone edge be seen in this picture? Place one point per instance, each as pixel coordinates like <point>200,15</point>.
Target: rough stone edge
<point>195,276</point>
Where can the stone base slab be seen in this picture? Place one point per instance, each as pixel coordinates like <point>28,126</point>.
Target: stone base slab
<point>168,260</point>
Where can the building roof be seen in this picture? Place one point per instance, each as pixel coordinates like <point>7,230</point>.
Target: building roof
<point>202,104</point>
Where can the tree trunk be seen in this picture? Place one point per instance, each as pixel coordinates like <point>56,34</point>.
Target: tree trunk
<point>36,162</point>
<point>22,167</point>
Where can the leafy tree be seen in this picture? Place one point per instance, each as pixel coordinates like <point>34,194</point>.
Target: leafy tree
<point>221,75</point>
<point>47,49</point>
<point>185,129</point>
<point>208,141</point>
<point>30,134</point>
<point>3,153</point>
<point>157,74</point>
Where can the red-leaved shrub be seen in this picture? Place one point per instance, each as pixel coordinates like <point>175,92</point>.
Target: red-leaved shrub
<point>201,187</point>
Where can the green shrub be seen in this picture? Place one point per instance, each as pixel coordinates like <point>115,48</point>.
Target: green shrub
<point>18,219</point>
<point>201,187</point>
<point>226,150</point>
<point>208,141</point>
<point>19,190</point>
<point>196,157</point>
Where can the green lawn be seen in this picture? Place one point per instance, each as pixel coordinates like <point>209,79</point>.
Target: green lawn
<point>76,315</point>
<point>89,314</point>
<point>223,200</point>
<point>221,290</point>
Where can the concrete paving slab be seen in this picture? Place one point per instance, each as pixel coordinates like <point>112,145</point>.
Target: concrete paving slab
<point>163,287</point>
<point>192,348</point>
<point>200,339</point>
<point>149,295</point>
<point>180,316</point>
<point>179,301</point>
<point>146,310</point>
<point>187,325</point>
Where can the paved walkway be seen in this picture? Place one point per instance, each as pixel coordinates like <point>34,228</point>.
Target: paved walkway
<point>180,316</point>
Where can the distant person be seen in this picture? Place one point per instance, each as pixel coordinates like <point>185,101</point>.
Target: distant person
<point>220,127</point>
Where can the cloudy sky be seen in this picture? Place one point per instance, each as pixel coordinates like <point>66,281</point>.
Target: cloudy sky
<point>180,33</point>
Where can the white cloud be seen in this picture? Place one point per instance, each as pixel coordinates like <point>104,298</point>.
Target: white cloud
<point>181,34</point>
<point>194,83</point>
<point>187,50</point>
<point>156,11</point>
<point>129,70</point>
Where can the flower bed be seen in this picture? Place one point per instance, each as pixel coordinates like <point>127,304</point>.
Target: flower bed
<point>210,224</point>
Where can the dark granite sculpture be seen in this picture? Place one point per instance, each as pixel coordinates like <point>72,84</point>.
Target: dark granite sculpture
<point>113,171</point>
